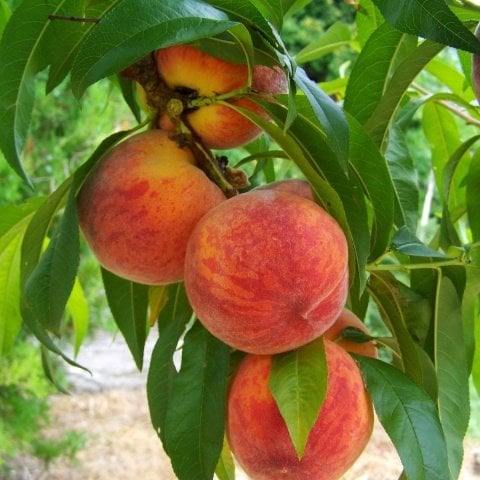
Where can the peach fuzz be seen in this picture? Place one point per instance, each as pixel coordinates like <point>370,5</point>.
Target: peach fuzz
<point>140,204</point>
<point>218,126</point>
<point>345,320</point>
<point>258,436</point>
<point>266,271</point>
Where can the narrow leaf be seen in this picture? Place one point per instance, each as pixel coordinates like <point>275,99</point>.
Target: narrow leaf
<point>430,19</point>
<point>162,371</point>
<point>371,168</point>
<point>390,298</point>
<point>226,466</point>
<point>473,196</point>
<point>452,372</point>
<point>298,382</point>
<point>337,36</point>
<point>371,72</point>
<point>404,241</point>
<point>133,28</point>
<point>195,419</point>
<point>48,287</point>
<point>10,317</point>
<point>77,308</point>
<point>272,10</point>
<point>367,20</point>
<point>329,114</point>
<point>410,419</point>
<point>19,62</point>
<point>4,15</point>
<point>128,302</point>
<point>404,75</point>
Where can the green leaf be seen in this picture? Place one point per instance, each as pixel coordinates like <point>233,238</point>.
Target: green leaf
<point>473,196</point>
<point>248,14</point>
<point>337,36</point>
<point>430,19</point>
<point>329,114</point>
<point>410,419</point>
<point>77,308</point>
<point>372,170</point>
<point>171,324</point>
<point>38,227</point>
<point>61,54</point>
<point>404,178</point>
<point>226,466</point>
<point>10,248</point>
<point>367,20</point>
<point>48,287</point>
<point>404,241</point>
<point>133,28</point>
<point>391,296</point>
<point>4,15</point>
<point>298,382</point>
<point>195,419</point>
<point>129,93</point>
<point>452,372</point>
<point>272,10</point>
<point>371,72</point>
<point>19,62</point>
<point>443,137</point>
<point>405,73</point>
<point>128,302</point>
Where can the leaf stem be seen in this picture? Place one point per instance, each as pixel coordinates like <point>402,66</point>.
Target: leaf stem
<point>67,18</point>
<point>454,262</point>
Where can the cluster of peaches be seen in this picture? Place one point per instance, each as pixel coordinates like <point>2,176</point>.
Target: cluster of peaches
<point>265,271</point>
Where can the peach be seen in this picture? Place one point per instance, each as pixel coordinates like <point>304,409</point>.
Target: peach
<point>218,126</point>
<point>290,185</point>
<point>140,204</point>
<point>267,271</point>
<point>258,436</point>
<point>345,320</point>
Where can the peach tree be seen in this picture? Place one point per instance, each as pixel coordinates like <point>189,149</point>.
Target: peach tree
<point>411,257</point>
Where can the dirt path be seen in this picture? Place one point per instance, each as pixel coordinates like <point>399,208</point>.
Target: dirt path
<point>111,410</point>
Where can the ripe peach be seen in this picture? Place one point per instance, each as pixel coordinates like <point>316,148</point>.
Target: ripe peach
<point>218,126</point>
<point>266,271</point>
<point>258,436</point>
<point>290,185</point>
<point>345,320</point>
<point>139,206</point>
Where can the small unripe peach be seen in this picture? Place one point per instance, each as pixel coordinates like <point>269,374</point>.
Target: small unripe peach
<point>140,204</point>
<point>267,271</point>
<point>345,320</point>
<point>218,126</point>
<point>258,436</point>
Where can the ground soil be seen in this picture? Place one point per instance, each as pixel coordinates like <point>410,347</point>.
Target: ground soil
<point>111,410</point>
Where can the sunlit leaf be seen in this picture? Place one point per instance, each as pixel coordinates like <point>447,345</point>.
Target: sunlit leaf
<point>4,15</point>
<point>337,36</point>
<point>473,196</point>
<point>409,417</point>
<point>226,466</point>
<point>298,382</point>
<point>77,308</point>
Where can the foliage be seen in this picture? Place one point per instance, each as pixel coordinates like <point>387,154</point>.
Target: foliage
<point>25,409</point>
<point>419,266</point>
